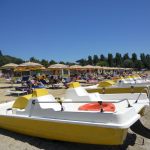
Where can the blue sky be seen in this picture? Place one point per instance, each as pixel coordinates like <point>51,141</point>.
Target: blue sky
<point>68,30</point>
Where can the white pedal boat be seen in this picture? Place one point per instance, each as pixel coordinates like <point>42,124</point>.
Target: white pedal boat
<point>41,115</point>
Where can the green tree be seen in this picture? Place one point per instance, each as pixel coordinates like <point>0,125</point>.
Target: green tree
<point>138,64</point>
<point>52,62</point>
<point>126,56</point>
<point>45,63</point>
<point>134,57</point>
<point>148,61</point>
<point>90,60</point>
<point>70,63</point>
<point>110,60</point>
<point>62,62</point>
<point>128,63</point>
<point>102,57</point>
<point>33,59</point>
<point>102,63</point>
<point>143,59</point>
<point>5,59</point>
<point>118,60</point>
<point>82,62</point>
<point>95,59</point>
<point>1,54</point>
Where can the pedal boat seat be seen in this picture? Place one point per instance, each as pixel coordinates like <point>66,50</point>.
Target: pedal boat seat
<point>95,106</point>
<point>21,102</point>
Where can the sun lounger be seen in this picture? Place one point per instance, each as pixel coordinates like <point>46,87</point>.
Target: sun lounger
<point>18,93</point>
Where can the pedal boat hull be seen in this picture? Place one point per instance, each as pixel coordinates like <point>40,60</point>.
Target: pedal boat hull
<point>32,116</point>
<point>60,130</point>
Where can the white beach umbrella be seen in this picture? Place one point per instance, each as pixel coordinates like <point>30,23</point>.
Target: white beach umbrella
<point>88,67</point>
<point>76,67</point>
<point>9,66</point>
<point>30,64</point>
<point>59,67</point>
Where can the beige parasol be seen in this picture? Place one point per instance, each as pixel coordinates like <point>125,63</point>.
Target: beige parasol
<point>58,66</point>
<point>88,67</point>
<point>28,66</point>
<point>9,66</point>
<point>76,67</point>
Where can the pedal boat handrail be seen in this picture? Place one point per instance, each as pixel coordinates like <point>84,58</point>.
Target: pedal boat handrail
<point>58,100</point>
<point>147,89</point>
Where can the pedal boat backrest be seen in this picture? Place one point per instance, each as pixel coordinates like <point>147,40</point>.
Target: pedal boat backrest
<point>106,83</point>
<point>77,93</point>
<point>40,92</point>
<point>23,104</point>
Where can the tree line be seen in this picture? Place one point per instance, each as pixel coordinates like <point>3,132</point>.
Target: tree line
<point>5,59</point>
<point>118,60</point>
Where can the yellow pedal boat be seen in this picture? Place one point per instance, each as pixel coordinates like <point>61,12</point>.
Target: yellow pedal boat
<point>111,87</point>
<point>41,115</point>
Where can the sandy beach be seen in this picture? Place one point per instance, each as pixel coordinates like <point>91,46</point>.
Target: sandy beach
<point>138,137</point>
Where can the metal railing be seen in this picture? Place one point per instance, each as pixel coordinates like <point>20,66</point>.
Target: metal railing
<point>147,89</point>
<point>58,100</point>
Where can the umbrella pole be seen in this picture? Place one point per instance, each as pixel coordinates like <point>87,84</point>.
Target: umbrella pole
<point>68,72</point>
<point>11,76</point>
<point>62,72</point>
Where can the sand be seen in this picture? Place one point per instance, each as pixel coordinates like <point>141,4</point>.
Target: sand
<point>138,137</point>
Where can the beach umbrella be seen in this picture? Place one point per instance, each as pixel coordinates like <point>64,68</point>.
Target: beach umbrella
<point>106,68</point>
<point>27,66</point>
<point>98,68</point>
<point>9,66</point>
<point>30,64</point>
<point>42,68</point>
<point>88,67</point>
<point>76,67</point>
<point>59,67</point>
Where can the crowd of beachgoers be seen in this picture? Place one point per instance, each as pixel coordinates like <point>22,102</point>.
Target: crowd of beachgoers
<point>41,80</point>
<point>44,79</point>
<point>92,77</point>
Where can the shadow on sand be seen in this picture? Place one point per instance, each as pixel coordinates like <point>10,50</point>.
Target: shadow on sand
<point>139,128</point>
<point>52,144</point>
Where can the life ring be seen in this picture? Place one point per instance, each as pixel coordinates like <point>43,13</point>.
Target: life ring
<point>96,107</point>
